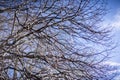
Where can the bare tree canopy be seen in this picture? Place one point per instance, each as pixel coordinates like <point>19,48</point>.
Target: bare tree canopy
<point>48,39</point>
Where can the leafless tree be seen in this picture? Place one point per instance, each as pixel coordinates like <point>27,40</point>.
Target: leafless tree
<point>52,39</point>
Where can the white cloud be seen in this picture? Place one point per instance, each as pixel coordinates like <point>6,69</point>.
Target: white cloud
<point>112,63</point>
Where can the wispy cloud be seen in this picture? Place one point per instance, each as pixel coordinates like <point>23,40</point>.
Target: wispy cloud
<point>112,20</point>
<point>116,19</point>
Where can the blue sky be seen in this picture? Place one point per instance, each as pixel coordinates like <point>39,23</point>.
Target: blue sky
<point>112,19</point>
